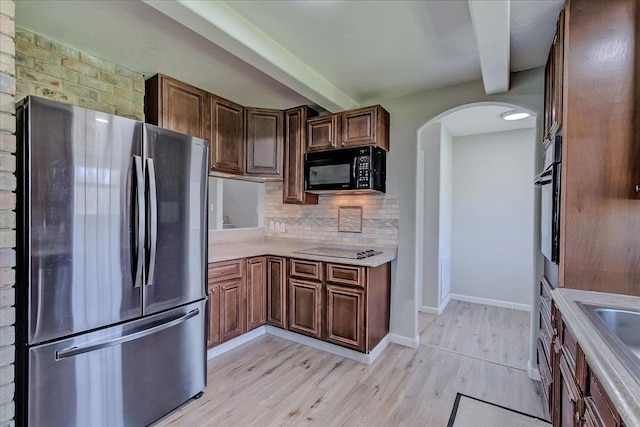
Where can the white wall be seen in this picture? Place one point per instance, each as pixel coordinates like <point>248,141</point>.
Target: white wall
<point>430,153</point>
<point>493,216</point>
<point>446,210</point>
<point>408,114</point>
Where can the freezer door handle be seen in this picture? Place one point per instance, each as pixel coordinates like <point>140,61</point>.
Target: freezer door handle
<point>74,351</point>
<point>153,221</point>
<point>139,188</point>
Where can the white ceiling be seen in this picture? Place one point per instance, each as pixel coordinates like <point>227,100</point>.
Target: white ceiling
<point>483,119</point>
<point>326,52</point>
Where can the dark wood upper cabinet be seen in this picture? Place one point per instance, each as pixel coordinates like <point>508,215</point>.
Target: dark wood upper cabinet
<point>599,209</point>
<point>365,126</point>
<point>353,128</point>
<point>264,143</point>
<point>295,137</point>
<point>172,104</point>
<point>227,136</point>
<point>322,133</point>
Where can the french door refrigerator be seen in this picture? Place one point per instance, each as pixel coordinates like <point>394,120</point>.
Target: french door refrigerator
<point>111,260</point>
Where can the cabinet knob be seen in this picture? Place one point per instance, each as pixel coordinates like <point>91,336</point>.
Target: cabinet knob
<point>637,188</point>
<point>224,288</point>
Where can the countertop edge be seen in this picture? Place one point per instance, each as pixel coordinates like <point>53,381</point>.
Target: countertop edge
<point>616,379</point>
<point>247,249</point>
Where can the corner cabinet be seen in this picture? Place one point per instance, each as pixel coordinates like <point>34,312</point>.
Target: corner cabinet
<point>264,142</point>
<point>277,291</point>
<point>227,136</point>
<point>256,292</point>
<point>172,104</point>
<point>295,137</point>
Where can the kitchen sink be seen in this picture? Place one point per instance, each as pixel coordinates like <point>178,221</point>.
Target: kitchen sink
<point>620,328</point>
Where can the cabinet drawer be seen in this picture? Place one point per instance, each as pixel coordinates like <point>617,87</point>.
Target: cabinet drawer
<point>346,275</point>
<point>306,269</point>
<point>225,270</point>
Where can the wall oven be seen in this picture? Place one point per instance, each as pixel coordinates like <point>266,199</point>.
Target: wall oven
<point>549,182</point>
<point>362,169</point>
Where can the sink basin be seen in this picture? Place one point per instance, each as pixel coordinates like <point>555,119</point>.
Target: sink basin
<point>625,324</point>
<point>620,328</point>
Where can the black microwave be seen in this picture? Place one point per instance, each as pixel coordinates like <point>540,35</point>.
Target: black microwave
<point>362,169</point>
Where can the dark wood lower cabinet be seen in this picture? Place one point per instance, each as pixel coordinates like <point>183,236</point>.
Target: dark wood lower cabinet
<point>256,292</point>
<point>231,311</point>
<point>342,304</point>
<point>305,307</point>
<point>345,317</point>
<point>578,399</point>
<point>225,292</point>
<point>277,292</point>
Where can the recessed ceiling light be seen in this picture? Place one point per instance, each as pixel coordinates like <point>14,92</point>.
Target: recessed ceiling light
<point>514,115</point>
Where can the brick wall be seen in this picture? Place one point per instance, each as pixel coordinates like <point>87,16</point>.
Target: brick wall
<point>52,70</point>
<point>7,214</point>
<point>380,215</point>
<point>31,64</point>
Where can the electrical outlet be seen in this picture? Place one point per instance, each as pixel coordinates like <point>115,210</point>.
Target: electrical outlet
<point>282,227</point>
<point>271,225</point>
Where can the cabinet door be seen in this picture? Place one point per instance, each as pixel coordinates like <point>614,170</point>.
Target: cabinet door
<point>172,104</point>
<point>277,292</point>
<point>566,395</point>
<point>231,312</point>
<point>227,136</point>
<point>264,143</point>
<point>305,307</point>
<point>365,126</point>
<point>295,137</point>
<point>558,68</point>
<point>322,133</point>
<point>256,292</point>
<point>345,317</point>
<point>213,301</point>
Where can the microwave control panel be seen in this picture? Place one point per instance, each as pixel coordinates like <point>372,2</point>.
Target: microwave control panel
<point>363,174</point>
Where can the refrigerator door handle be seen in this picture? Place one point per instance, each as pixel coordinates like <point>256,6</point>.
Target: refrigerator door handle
<point>153,221</point>
<point>139,188</point>
<point>74,351</point>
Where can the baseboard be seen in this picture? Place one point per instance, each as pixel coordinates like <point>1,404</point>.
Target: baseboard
<point>533,373</point>
<point>405,341</point>
<point>428,310</point>
<point>433,310</point>
<point>444,304</point>
<point>331,348</point>
<point>493,302</point>
<point>236,342</point>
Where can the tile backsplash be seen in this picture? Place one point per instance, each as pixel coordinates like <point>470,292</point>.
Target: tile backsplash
<point>380,214</point>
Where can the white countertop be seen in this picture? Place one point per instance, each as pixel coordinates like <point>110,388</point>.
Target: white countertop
<point>225,251</point>
<point>618,381</point>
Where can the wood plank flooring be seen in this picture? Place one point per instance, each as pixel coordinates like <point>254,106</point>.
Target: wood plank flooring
<point>494,334</point>
<point>274,382</point>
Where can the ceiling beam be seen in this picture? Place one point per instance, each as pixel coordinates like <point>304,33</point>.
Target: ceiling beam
<point>492,26</point>
<point>222,25</point>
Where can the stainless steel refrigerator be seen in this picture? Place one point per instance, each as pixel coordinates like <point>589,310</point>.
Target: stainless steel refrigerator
<point>111,263</point>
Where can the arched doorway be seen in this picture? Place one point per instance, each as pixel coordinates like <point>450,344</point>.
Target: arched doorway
<point>474,264</point>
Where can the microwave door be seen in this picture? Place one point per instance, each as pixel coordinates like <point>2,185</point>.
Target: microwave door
<point>328,175</point>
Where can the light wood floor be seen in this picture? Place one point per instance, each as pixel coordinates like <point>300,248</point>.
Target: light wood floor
<point>274,382</point>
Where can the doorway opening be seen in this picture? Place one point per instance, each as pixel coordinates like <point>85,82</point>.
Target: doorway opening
<point>476,209</point>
